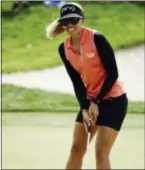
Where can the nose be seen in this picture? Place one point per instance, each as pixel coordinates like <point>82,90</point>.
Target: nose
<point>69,25</point>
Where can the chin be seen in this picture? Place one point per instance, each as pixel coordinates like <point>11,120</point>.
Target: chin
<point>72,32</point>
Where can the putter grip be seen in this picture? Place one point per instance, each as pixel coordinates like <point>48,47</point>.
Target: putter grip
<point>89,126</point>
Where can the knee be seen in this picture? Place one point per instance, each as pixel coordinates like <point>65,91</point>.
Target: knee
<point>102,154</point>
<point>78,149</point>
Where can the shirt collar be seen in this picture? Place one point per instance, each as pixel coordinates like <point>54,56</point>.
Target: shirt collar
<point>83,38</point>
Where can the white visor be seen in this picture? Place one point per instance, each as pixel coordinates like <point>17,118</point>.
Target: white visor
<point>70,16</point>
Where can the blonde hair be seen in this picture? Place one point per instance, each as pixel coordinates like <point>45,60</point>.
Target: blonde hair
<point>53,29</point>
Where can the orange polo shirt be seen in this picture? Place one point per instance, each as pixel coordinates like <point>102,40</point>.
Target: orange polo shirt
<point>89,66</point>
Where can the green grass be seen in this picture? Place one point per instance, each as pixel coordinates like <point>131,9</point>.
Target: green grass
<point>18,98</point>
<point>22,99</point>
<point>24,46</point>
<point>62,120</point>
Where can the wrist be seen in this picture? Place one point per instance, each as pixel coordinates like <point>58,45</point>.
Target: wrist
<point>84,110</point>
<point>96,101</point>
<point>85,105</point>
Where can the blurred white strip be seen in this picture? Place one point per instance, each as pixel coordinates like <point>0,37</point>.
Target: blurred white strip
<point>131,70</point>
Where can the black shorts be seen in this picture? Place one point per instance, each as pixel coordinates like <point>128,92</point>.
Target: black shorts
<point>112,112</point>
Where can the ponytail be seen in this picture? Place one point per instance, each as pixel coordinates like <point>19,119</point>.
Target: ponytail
<point>54,29</point>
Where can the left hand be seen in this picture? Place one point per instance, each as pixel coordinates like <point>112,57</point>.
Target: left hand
<point>86,119</point>
<point>93,112</point>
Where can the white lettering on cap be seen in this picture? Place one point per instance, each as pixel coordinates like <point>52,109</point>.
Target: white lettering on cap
<point>70,8</point>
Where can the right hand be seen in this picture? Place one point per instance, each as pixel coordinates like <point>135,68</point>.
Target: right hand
<point>86,119</point>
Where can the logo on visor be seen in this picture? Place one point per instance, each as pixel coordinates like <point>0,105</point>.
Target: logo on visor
<point>69,8</point>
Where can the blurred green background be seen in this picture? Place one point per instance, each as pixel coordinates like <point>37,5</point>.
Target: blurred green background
<point>24,46</point>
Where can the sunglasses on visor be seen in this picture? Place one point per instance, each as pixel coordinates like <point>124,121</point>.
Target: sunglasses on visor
<point>67,21</point>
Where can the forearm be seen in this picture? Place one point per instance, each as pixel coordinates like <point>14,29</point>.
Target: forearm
<point>80,93</point>
<point>106,87</point>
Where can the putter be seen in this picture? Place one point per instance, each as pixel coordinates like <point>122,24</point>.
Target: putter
<point>86,162</point>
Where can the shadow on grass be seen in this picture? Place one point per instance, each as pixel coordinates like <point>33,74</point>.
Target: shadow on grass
<point>10,15</point>
<point>21,9</point>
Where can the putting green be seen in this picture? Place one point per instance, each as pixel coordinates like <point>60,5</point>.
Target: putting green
<point>33,141</point>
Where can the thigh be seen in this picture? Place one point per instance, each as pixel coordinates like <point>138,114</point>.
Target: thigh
<point>80,135</point>
<point>112,112</point>
<point>105,139</point>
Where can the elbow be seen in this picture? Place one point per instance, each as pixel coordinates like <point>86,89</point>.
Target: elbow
<point>113,76</point>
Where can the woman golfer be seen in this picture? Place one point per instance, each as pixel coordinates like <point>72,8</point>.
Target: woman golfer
<point>90,62</point>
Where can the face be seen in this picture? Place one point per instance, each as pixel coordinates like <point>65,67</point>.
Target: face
<point>72,25</point>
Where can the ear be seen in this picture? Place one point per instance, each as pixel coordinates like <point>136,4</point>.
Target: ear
<point>81,21</point>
